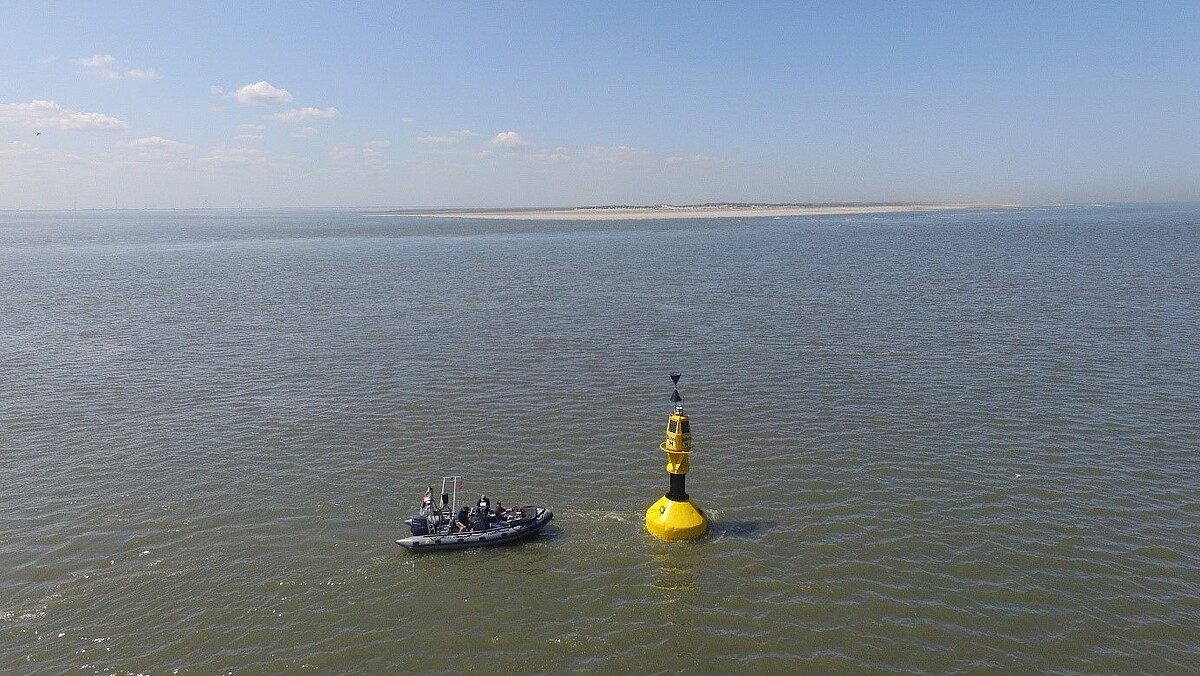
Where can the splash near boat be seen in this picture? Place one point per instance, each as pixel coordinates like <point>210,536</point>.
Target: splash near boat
<point>450,525</point>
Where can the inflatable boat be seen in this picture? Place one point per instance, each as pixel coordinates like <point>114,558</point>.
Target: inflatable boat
<point>449,526</point>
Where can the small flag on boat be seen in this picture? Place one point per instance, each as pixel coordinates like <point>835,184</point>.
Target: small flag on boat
<point>460,485</point>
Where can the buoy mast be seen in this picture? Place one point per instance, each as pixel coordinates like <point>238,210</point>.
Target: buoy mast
<point>675,516</point>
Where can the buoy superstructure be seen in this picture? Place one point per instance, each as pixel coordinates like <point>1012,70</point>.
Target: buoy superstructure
<point>675,516</point>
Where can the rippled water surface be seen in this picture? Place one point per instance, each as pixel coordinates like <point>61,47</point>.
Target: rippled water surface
<point>928,442</point>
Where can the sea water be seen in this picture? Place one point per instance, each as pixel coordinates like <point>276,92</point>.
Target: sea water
<point>954,441</point>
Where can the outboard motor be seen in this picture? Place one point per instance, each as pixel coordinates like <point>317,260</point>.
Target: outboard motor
<point>419,525</point>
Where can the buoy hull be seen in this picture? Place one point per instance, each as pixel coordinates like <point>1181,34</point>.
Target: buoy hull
<point>670,519</point>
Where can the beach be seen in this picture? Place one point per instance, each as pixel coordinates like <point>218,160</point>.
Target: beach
<point>689,211</point>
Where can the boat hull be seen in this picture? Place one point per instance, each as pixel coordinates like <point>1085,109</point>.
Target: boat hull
<point>497,535</point>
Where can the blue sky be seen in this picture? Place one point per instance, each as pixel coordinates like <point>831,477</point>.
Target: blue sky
<point>174,105</point>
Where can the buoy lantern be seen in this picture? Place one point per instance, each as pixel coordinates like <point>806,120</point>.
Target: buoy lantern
<point>675,516</point>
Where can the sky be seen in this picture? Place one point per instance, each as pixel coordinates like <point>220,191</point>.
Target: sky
<point>168,104</point>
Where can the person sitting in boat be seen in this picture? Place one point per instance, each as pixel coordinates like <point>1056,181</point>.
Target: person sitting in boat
<point>463,520</point>
<point>501,512</point>
<point>481,513</point>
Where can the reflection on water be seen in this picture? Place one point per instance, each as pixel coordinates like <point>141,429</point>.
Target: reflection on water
<point>676,569</point>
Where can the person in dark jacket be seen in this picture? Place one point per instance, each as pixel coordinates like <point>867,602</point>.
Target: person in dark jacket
<point>481,513</point>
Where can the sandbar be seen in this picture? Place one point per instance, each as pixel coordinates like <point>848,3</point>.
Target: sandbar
<point>664,211</point>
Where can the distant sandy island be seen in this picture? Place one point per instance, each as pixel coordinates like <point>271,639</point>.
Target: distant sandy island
<point>615,213</point>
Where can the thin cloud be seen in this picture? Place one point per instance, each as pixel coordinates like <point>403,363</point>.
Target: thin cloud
<point>18,150</point>
<point>508,139</point>
<point>39,115</point>
<point>156,143</point>
<point>139,74</point>
<point>694,160</point>
<point>30,155</point>
<point>304,132</point>
<point>250,132</point>
<point>157,150</point>
<point>302,114</point>
<point>97,61</point>
<point>262,93</point>
<point>623,156</point>
<point>364,156</point>
<point>107,66</point>
<point>559,154</point>
<point>234,157</point>
<point>446,139</point>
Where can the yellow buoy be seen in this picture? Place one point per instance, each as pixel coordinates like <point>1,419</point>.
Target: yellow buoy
<point>675,516</point>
